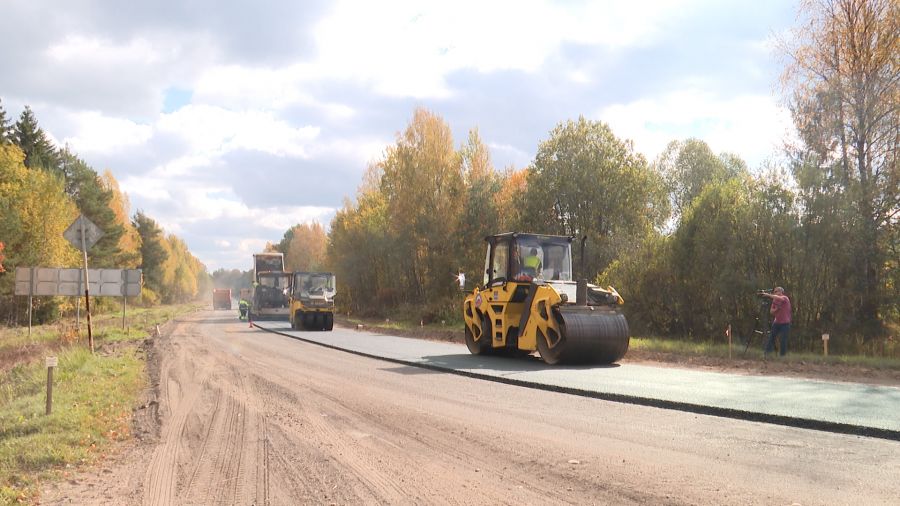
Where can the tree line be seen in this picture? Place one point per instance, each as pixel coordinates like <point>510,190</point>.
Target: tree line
<point>42,190</point>
<point>687,238</point>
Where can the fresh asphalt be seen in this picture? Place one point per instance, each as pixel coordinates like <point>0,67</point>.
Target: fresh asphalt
<point>848,408</point>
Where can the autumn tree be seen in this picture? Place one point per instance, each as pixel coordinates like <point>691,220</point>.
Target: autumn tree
<point>843,82</point>
<point>129,242</point>
<point>35,212</point>
<point>422,183</point>
<point>480,212</point>
<point>304,247</point>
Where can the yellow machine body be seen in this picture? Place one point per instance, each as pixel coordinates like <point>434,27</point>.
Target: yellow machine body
<point>516,311</point>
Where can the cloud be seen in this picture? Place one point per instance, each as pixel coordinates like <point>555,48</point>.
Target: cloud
<point>753,126</point>
<point>228,124</point>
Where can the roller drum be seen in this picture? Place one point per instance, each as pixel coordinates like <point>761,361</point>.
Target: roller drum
<point>592,336</point>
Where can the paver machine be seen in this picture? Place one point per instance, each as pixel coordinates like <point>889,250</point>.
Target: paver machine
<point>529,301</point>
<point>312,301</point>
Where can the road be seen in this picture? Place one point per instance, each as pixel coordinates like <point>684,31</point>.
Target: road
<point>252,417</point>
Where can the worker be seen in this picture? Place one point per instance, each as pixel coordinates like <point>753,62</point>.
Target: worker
<point>531,264</point>
<point>243,305</point>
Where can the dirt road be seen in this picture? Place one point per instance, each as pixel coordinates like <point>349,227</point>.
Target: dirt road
<point>248,417</point>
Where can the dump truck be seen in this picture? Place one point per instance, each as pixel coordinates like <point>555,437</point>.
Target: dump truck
<point>221,298</point>
<point>271,292</point>
<point>312,301</point>
<point>529,301</point>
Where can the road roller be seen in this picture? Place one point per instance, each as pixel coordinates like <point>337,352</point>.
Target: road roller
<point>529,301</point>
<point>312,301</point>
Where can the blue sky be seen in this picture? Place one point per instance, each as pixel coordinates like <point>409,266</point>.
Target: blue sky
<point>230,121</point>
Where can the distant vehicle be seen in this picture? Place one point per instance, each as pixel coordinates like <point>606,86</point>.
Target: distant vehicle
<point>271,292</point>
<point>222,298</point>
<point>267,262</point>
<point>312,301</point>
<point>271,297</point>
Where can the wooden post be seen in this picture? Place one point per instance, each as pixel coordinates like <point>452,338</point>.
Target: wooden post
<point>124,306</point>
<point>51,363</point>
<point>87,287</point>
<point>30,300</point>
<point>728,333</point>
<point>825,338</point>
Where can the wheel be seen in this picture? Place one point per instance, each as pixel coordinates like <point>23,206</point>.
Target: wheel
<point>551,355</point>
<point>329,321</point>
<point>319,322</point>
<point>483,345</point>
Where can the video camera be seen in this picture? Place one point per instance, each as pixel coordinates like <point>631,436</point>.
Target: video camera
<point>761,292</point>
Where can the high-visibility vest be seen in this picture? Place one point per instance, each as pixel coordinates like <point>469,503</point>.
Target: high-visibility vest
<point>532,262</point>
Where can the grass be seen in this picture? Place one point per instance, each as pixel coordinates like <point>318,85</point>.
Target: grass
<point>93,396</point>
<point>720,350</point>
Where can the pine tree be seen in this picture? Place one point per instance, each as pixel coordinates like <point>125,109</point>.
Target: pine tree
<point>32,140</point>
<point>153,250</point>
<point>93,199</point>
<point>5,133</point>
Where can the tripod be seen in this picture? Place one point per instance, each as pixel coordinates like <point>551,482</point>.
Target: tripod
<point>760,324</point>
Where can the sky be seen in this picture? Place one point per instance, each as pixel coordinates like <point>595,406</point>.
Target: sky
<point>228,122</point>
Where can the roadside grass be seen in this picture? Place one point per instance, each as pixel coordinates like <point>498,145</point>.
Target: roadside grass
<point>720,350</point>
<point>405,324</point>
<point>93,396</point>
<point>92,400</point>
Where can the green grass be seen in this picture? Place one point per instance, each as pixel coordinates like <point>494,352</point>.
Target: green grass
<point>92,400</point>
<point>720,350</point>
<point>93,396</point>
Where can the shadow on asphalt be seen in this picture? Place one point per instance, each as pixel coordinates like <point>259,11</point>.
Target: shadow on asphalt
<point>506,364</point>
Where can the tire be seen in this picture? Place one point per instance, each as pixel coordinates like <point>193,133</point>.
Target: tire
<point>329,321</point>
<point>483,345</point>
<point>319,321</point>
<point>551,356</point>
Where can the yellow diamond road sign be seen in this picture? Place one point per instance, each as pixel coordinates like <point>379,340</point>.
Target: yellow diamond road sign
<point>92,233</point>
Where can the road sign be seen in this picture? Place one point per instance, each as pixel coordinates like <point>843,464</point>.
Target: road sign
<point>103,282</point>
<point>92,233</point>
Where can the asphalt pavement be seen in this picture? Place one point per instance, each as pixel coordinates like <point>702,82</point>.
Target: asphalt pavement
<point>849,408</point>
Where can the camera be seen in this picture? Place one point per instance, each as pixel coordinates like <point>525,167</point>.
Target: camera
<point>762,292</point>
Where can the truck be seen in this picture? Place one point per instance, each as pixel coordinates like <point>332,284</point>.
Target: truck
<point>222,298</point>
<point>271,292</point>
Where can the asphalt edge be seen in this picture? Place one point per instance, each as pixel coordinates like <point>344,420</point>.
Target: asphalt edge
<point>736,414</point>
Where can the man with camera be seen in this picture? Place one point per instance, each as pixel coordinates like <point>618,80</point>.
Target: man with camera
<point>781,319</point>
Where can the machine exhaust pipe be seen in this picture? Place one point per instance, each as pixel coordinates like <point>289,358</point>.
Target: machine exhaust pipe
<point>581,287</point>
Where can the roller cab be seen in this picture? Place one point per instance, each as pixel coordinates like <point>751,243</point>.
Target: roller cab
<point>528,302</point>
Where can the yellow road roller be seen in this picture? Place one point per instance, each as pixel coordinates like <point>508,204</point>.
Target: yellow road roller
<point>529,301</point>
<point>312,301</point>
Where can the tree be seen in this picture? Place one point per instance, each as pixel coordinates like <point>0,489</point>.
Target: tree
<point>305,250</point>
<point>844,86</point>
<point>33,141</point>
<point>153,251</point>
<point>129,241</point>
<point>422,183</point>
<point>5,133</point>
<point>35,211</point>
<point>94,199</point>
<point>480,213</point>
<point>584,181</point>
<point>1,257</point>
<point>688,166</point>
